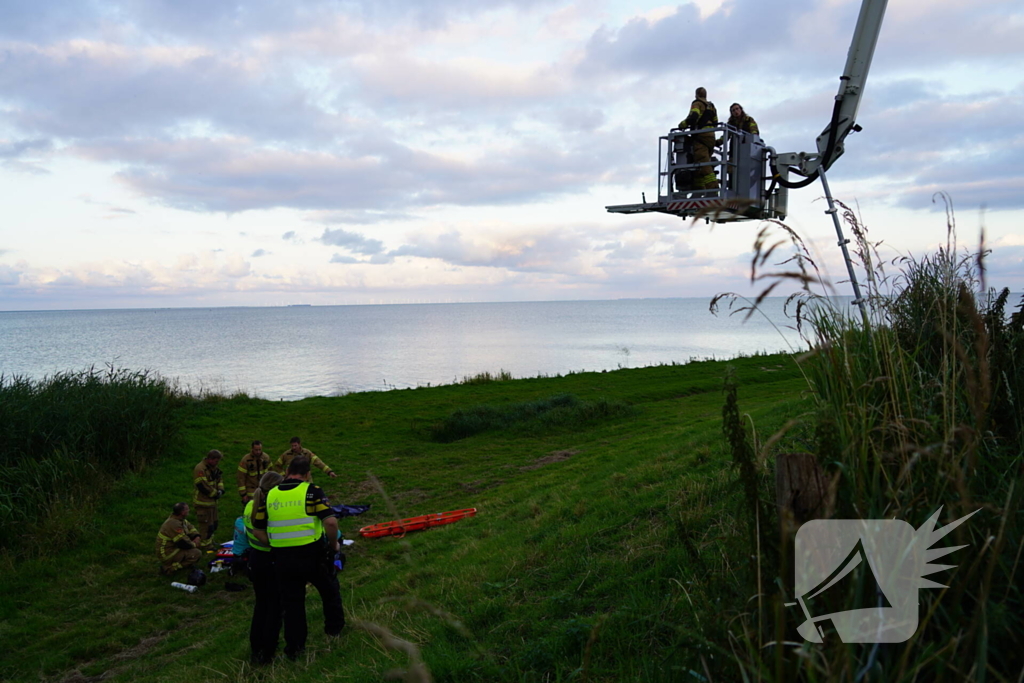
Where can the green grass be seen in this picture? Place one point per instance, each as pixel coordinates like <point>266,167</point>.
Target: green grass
<point>604,549</point>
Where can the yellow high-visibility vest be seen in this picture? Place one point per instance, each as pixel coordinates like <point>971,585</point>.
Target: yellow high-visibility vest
<point>288,525</point>
<point>247,520</point>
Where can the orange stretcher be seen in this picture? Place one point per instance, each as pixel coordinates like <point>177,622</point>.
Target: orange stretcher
<point>400,527</point>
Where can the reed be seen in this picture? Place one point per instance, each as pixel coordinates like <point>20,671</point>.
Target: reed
<point>487,377</point>
<point>919,410</point>
<point>68,436</point>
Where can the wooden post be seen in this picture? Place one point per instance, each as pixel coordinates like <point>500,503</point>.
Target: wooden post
<point>801,489</point>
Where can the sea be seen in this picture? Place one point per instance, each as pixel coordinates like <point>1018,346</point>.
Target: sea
<point>293,352</point>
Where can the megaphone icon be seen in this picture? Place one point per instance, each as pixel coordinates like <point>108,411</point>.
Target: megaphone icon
<point>860,577</point>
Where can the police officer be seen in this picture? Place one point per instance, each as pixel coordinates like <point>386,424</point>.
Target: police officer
<point>297,522</point>
<point>740,119</point>
<point>209,487</point>
<point>295,449</point>
<point>251,468</point>
<point>702,115</point>
<point>177,540</point>
<point>266,612</point>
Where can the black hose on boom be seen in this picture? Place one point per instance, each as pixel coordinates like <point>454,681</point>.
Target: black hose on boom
<point>826,157</point>
<point>790,184</point>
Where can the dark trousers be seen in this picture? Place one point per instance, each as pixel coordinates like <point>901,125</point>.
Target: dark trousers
<point>266,613</point>
<point>295,567</point>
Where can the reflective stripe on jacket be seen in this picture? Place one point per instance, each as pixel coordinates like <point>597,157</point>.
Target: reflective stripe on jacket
<point>208,482</point>
<point>702,115</point>
<point>172,532</point>
<point>288,523</point>
<point>250,470</point>
<point>256,543</point>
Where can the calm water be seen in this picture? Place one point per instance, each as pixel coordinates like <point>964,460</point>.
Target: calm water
<point>293,352</point>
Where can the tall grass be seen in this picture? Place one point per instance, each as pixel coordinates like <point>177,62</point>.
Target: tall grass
<point>66,437</point>
<point>487,377</point>
<point>918,410</point>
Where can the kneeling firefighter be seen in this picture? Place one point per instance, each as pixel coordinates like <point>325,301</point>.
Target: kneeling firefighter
<point>177,541</point>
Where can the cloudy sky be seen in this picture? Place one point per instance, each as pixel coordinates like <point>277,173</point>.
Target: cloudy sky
<point>157,153</point>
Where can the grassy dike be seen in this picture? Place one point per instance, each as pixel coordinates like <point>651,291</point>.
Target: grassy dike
<point>607,546</point>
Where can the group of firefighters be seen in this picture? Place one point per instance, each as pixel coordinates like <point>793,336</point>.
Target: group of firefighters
<point>703,116</point>
<point>179,543</point>
<point>290,528</point>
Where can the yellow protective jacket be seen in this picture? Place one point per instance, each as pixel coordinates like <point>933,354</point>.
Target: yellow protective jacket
<point>250,470</point>
<point>174,535</point>
<point>702,115</point>
<point>745,123</point>
<point>286,458</point>
<point>208,482</point>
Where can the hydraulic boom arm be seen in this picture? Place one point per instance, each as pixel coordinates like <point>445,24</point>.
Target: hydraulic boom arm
<point>844,112</point>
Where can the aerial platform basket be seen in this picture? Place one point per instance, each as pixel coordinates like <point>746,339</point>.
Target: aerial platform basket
<point>740,162</point>
<point>401,527</point>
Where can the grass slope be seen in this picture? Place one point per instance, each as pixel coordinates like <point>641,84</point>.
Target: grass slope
<point>601,550</point>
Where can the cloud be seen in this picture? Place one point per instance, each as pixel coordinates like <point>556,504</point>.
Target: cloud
<point>45,21</point>
<point>8,275</point>
<point>236,267</point>
<point>1005,264</point>
<point>912,35</point>
<point>682,40</point>
<point>919,139</point>
<point>352,241</point>
<point>209,270</point>
<point>578,252</point>
<point>91,88</point>
<point>966,145</point>
<point>14,153</point>
<point>920,34</point>
<point>213,21</point>
<point>340,258</point>
<point>259,252</point>
<point>12,149</point>
<point>232,174</point>
<point>27,167</point>
<point>465,82</point>
<point>290,235</point>
<point>534,251</point>
<point>366,217</point>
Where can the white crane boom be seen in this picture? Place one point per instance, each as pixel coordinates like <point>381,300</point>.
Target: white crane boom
<point>844,113</point>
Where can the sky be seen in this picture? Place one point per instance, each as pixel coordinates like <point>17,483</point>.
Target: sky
<point>165,154</point>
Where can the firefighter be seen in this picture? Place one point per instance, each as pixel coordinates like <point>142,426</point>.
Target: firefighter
<point>702,115</point>
<point>740,119</point>
<point>295,450</point>
<point>177,541</point>
<point>209,487</point>
<point>297,522</point>
<point>253,465</point>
